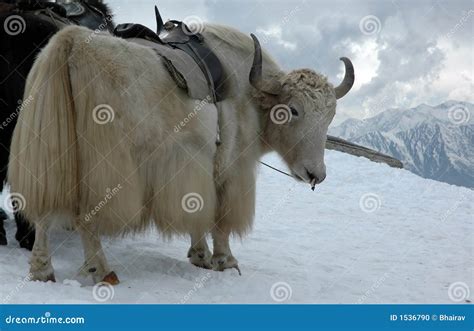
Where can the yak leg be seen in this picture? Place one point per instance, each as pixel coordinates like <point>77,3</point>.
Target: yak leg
<point>95,263</point>
<point>234,214</point>
<point>3,235</point>
<point>40,263</point>
<point>199,253</point>
<point>25,233</point>
<point>3,175</point>
<point>222,257</point>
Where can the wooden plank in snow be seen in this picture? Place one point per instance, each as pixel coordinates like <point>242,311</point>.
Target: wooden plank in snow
<point>345,146</point>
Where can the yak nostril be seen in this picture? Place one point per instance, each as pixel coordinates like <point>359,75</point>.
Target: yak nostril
<point>311,176</point>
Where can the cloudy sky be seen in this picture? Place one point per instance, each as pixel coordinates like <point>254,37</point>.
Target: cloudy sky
<point>404,52</point>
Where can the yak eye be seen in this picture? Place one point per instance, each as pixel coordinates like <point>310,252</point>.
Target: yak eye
<point>294,112</point>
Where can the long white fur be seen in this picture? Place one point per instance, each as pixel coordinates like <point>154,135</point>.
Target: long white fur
<point>64,163</point>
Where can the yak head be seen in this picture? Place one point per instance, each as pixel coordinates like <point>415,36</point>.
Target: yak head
<point>299,106</point>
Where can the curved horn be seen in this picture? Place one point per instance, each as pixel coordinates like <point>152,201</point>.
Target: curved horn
<point>255,76</point>
<point>159,21</point>
<point>348,80</point>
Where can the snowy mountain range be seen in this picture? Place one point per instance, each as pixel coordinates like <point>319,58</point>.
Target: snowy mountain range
<point>432,142</point>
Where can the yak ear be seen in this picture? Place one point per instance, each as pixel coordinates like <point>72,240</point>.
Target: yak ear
<point>265,100</point>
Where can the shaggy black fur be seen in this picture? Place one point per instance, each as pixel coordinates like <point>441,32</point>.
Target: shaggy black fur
<point>17,54</point>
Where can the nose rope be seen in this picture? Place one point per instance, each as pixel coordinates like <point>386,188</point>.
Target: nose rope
<point>280,171</point>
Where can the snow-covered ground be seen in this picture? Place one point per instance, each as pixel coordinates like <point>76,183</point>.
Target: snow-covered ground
<point>368,234</point>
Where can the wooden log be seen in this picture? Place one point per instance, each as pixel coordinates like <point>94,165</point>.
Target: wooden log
<point>345,146</point>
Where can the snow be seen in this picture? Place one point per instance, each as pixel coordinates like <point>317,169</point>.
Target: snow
<point>368,234</point>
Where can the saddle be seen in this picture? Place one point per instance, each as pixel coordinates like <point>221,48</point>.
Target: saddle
<point>66,12</point>
<point>194,67</point>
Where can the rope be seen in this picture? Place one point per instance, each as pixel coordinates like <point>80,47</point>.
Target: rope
<point>280,171</point>
<point>175,74</point>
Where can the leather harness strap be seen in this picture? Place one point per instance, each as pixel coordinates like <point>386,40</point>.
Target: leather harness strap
<point>180,37</point>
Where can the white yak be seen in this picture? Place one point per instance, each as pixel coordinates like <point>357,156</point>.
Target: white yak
<point>108,140</point>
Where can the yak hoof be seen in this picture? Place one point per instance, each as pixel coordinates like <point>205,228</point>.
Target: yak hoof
<point>202,264</point>
<point>44,277</point>
<point>200,257</point>
<point>3,239</point>
<point>51,278</point>
<point>111,278</point>
<point>220,262</point>
<point>41,269</point>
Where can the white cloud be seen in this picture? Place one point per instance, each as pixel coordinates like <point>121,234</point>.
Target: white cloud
<point>143,11</point>
<point>365,60</point>
<point>275,32</point>
<point>455,80</point>
<point>422,53</point>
